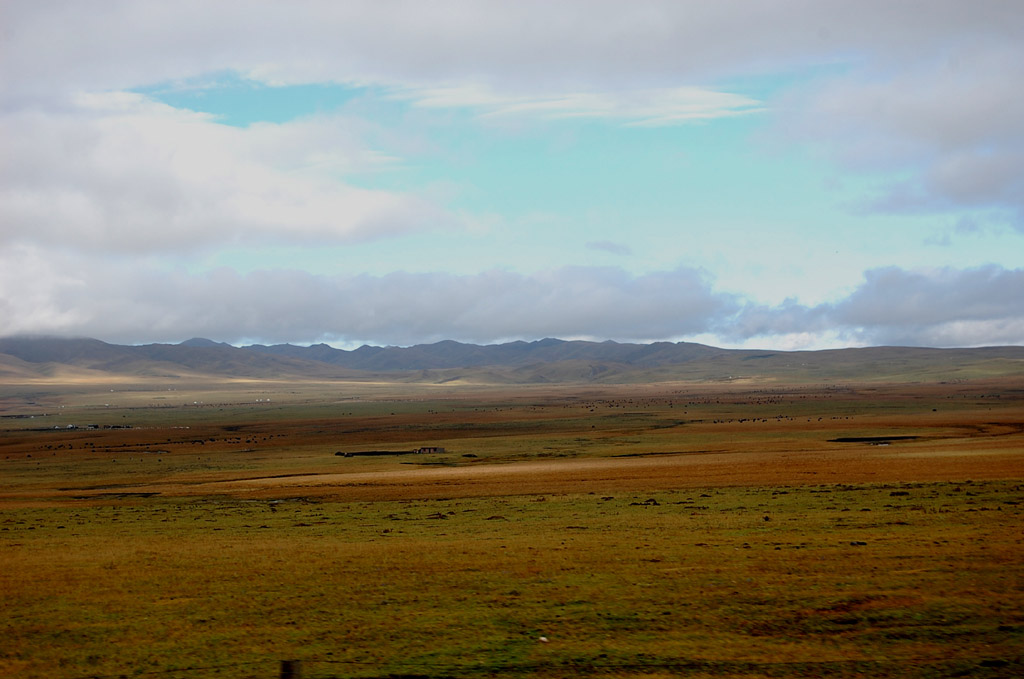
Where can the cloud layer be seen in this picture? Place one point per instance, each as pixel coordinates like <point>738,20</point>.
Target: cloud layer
<point>892,306</point>
<point>598,44</point>
<point>130,301</point>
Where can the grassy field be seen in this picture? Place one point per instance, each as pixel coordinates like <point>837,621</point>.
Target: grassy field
<point>694,530</point>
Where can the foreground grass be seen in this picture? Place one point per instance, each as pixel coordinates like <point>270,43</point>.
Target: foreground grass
<point>838,580</point>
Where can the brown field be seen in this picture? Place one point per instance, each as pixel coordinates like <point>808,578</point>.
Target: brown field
<point>738,529</point>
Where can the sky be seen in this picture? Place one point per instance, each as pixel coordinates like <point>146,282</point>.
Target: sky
<point>794,174</point>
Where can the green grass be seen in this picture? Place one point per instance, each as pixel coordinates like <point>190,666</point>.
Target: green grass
<point>689,581</point>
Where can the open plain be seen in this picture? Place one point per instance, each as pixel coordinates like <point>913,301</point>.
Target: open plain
<point>726,529</point>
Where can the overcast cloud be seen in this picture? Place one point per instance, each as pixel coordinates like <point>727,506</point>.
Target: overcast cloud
<point>891,306</point>
<point>398,308</point>
<point>130,219</point>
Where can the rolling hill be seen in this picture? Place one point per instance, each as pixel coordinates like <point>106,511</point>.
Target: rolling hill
<point>539,362</point>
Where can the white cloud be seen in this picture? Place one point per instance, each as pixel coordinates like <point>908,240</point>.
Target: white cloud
<point>649,107</point>
<point>119,172</point>
<point>610,247</point>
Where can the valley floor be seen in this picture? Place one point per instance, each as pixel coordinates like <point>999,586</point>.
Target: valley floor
<point>674,529</point>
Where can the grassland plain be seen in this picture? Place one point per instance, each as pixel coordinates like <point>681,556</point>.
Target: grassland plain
<point>683,529</point>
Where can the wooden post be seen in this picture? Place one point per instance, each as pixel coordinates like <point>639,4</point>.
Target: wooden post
<point>291,669</point>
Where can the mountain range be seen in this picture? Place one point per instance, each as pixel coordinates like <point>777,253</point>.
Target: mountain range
<point>542,361</point>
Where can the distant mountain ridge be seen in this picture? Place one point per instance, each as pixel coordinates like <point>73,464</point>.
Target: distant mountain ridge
<point>542,361</point>
<point>449,354</point>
